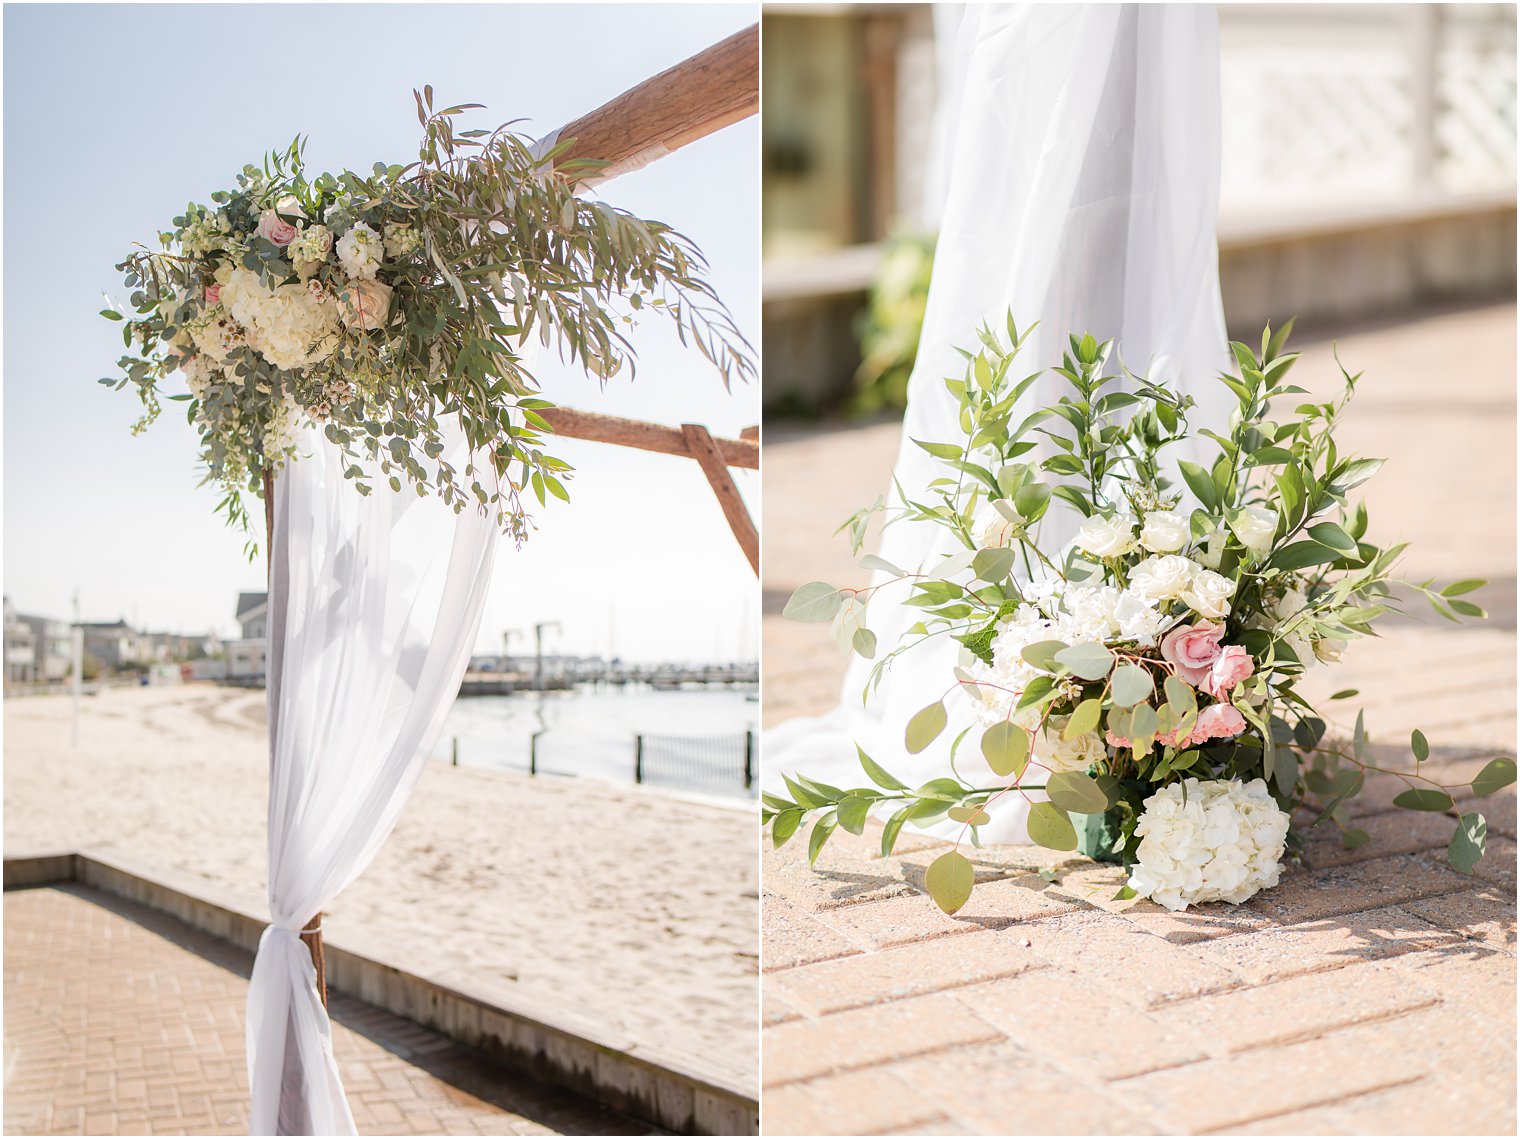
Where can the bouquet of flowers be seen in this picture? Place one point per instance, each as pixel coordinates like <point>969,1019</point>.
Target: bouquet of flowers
<point>375,305</point>
<point>1144,676</point>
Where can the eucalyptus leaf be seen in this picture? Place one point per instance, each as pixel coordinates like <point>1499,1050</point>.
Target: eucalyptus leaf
<point>949,880</point>
<point>925,726</point>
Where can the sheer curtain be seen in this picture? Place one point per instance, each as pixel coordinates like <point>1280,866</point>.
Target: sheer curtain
<point>1080,186</point>
<point>374,603</point>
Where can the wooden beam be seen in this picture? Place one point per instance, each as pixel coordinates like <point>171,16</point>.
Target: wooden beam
<point>576,424</point>
<point>698,96</point>
<point>704,449</point>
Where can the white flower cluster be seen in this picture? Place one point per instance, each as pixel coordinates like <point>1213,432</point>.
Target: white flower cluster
<point>400,240</point>
<point>360,252</point>
<point>1172,577</point>
<point>1216,840</point>
<point>205,233</point>
<point>310,249</point>
<point>280,434</point>
<point>292,326</point>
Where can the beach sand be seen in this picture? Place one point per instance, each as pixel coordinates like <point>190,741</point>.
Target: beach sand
<point>633,908</point>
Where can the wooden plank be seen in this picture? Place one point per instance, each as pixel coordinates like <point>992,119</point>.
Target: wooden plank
<point>576,424</point>
<point>705,451</point>
<point>698,96</point>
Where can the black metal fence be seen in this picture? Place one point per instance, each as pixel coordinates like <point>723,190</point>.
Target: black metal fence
<point>724,765</point>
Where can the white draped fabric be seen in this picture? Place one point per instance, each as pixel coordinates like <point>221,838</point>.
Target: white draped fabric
<point>1080,190</point>
<point>374,603</point>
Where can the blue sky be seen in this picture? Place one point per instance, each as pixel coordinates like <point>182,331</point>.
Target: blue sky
<point>117,115</point>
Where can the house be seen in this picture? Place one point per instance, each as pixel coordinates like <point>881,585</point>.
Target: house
<point>20,648</point>
<point>245,656</point>
<point>115,645</point>
<point>54,647</point>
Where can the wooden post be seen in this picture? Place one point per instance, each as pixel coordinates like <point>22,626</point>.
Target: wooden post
<point>698,96</point>
<point>313,938</point>
<point>705,451</point>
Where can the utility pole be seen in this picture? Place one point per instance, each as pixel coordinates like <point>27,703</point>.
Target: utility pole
<point>77,645</point>
<point>538,652</point>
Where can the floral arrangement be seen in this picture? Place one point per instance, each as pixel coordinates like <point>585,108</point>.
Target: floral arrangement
<point>377,305</point>
<point>1145,675</point>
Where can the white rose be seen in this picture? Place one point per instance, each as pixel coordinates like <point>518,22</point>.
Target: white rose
<point>360,252</point>
<point>1209,594</point>
<point>1163,577</point>
<point>1214,840</point>
<point>1164,532</point>
<point>994,531</point>
<point>1255,526</point>
<point>1058,754</point>
<point>1212,550</point>
<point>1107,537</point>
<point>1329,650</point>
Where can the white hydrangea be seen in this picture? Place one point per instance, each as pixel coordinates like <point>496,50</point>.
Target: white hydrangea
<point>289,325</point>
<point>310,249</point>
<point>360,252</point>
<point>1215,840</point>
<point>400,239</point>
<point>217,334</point>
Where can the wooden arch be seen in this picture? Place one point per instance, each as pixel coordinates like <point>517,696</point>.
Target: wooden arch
<point>713,89</point>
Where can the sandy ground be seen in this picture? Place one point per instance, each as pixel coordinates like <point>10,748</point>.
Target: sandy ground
<point>636,909</point>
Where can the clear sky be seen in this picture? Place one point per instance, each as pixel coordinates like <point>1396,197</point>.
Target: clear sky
<point>117,115</point>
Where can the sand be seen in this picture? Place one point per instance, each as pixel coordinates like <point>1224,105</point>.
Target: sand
<point>635,908</point>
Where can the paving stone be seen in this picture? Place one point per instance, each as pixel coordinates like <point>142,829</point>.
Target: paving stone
<point>1127,962</point>
<point>870,1036</point>
<point>856,1103</point>
<point>792,937</point>
<point>1057,1014</point>
<point>1486,914</point>
<point>1497,809</point>
<point>1393,832</point>
<point>1019,1094</point>
<point>122,1008</point>
<point>1308,895</point>
<point>892,974</point>
<point>837,880</point>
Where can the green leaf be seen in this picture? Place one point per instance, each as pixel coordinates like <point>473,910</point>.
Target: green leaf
<point>1042,654</point>
<point>974,816</point>
<point>1077,792</point>
<point>1050,827</point>
<point>853,812</point>
<point>1132,684</point>
<point>1301,555</point>
<point>993,564</point>
<point>1089,660</point>
<point>892,830</point>
<point>1354,838</point>
<point>1084,719</point>
<point>820,835</point>
<point>1124,894</point>
<point>1419,745</point>
<point>1005,746</point>
<point>864,642</point>
<point>814,602</point>
<point>1423,799</point>
<point>784,826</point>
<point>1497,775</point>
<point>925,727</point>
<point>949,880</point>
<point>878,774</point>
<point>1329,534</point>
<point>1466,585</point>
<point>1200,482</point>
<point>1468,842</point>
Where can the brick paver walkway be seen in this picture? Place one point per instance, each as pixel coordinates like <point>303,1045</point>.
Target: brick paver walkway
<point>1373,992</point>
<point>122,1021</point>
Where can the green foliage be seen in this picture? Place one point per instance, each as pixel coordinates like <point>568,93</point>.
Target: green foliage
<point>889,327</point>
<point>492,247</point>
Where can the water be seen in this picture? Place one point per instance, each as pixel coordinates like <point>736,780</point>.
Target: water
<point>694,739</point>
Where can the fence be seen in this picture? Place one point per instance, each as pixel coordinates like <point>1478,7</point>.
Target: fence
<point>724,765</point>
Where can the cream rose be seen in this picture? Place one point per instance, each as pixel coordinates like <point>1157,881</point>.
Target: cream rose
<point>1164,577</point>
<point>1164,532</point>
<point>1209,594</point>
<point>365,304</point>
<point>1107,537</point>
<point>1255,527</point>
<point>1057,754</point>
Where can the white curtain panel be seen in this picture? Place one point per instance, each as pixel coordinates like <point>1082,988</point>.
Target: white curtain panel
<point>374,603</point>
<point>1080,189</point>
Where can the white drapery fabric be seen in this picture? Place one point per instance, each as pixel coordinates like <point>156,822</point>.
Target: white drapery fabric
<point>1080,190</point>
<point>374,603</point>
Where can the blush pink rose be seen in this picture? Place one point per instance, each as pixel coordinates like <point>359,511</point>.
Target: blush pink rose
<point>1169,739</point>
<point>213,295</point>
<point>365,304</point>
<point>1217,722</point>
<point>1193,649</point>
<point>1233,666</point>
<point>273,228</point>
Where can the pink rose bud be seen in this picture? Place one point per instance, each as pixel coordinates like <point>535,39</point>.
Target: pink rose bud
<point>274,228</point>
<point>1193,649</point>
<point>1233,666</point>
<point>213,295</point>
<point>1218,722</point>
